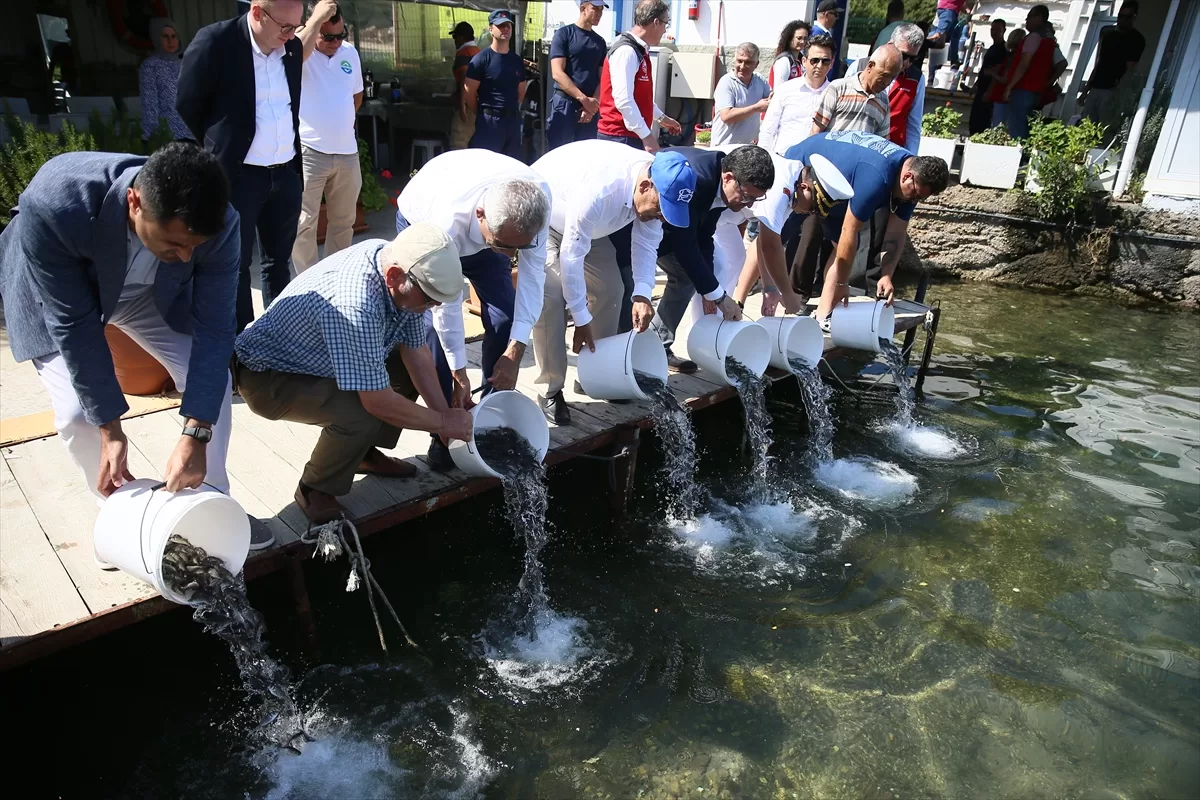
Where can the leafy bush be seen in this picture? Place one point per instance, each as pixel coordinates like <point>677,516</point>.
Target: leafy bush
<point>27,150</point>
<point>997,135</point>
<point>704,136</point>
<point>123,134</point>
<point>941,123</point>
<point>371,195</point>
<point>1060,162</point>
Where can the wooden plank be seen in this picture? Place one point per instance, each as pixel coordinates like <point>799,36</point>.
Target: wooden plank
<point>65,508</point>
<point>37,594</point>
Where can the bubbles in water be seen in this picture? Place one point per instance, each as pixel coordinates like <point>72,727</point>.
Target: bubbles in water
<point>341,765</point>
<point>865,480</point>
<point>927,441</point>
<point>562,653</point>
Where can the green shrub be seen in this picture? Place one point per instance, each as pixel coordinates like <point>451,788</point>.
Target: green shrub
<point>372,196</point>
<point>941,123</point>
<point>123,134</point>
<point>996,135</point>
<point>27,150</point>
<point>1059,160</point>
<point>704,136</point>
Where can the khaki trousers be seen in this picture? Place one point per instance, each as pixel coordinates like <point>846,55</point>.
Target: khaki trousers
<point>461,132</point>
<point>349,432</point>
<point>339,179</point>
<point>604,289</point>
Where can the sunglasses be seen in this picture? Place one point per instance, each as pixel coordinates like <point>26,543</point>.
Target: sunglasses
<point>334,37</point>
<point>286,30</point>
<point>816,60</point>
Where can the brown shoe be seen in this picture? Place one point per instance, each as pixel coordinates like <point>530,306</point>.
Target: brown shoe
<point>318,506</point>
<point>376,463</point>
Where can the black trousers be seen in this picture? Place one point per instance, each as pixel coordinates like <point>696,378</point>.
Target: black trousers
<point>809,251</point>
<point>268,201</point>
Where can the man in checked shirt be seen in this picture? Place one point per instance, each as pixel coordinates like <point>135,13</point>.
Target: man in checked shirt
<point>343,347</point>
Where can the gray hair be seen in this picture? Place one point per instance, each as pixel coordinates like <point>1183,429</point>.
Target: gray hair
<point>649,10</point>
<point>519,203</point>
<point>748,49</point>
<point>906,33</point>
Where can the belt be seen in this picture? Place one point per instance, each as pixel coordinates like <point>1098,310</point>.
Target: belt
<point>499,112</point>
<point>273,166</point>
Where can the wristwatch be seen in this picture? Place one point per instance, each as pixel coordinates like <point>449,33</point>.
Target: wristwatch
<point>198,433</point>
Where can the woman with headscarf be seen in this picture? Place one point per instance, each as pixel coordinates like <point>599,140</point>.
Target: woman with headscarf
<point>157,79</point>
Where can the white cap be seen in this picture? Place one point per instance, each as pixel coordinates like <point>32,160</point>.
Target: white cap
<point>832,181</point>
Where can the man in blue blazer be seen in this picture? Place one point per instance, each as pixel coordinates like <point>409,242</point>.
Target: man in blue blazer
<point>239,92</point>
<point>734,181</point>
<point>147,245</point>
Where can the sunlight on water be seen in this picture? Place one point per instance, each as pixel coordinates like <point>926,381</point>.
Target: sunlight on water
<point>865,480</point>
<point>560,653</point>
<point>927,441</point>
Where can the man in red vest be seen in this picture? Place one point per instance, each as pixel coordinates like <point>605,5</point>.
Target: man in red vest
<point>906,95</point>
<point>627,109</point>
<point>1039,64</point>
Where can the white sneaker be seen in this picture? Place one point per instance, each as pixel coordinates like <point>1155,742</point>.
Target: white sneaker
<point>823,322</point>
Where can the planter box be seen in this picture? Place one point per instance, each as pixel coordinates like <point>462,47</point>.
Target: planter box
<point>1102,165</point>
<point>940,148</point>
<point>990,165</point>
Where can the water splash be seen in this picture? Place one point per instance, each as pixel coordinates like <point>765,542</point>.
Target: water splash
<point>816,394</point>
<point>905,397</point>
<point>674,426</point>
<point>752,389</point>
<point>927,441</point>
<point>865,480</point>
<point>563,654</point>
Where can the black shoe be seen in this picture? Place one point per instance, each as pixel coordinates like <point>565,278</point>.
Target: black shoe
<point>439,456</point>
<point>680,365</point>
<point>555,408</point>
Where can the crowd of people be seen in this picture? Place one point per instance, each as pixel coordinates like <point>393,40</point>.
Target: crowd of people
<point>806,175</point>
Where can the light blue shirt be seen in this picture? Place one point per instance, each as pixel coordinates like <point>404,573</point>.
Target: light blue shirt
<point>140,270</point>
<point>732,93</point>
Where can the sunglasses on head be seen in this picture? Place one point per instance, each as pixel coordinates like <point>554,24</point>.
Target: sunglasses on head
<point>815,60</point>
<point>334,37</point>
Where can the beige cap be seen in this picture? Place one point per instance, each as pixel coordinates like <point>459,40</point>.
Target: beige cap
<point>430,258</point>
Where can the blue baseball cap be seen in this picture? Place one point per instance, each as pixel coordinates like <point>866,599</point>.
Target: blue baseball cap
<point>675,181</point>
<point>500,17</point>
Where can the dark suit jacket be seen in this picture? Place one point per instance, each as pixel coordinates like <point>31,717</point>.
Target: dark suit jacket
<point>693,245</point>
<point>62,265</point>
<point>216,90</point>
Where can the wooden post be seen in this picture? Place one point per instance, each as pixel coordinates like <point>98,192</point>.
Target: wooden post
<point>624,468</point>
<point>304,616</point>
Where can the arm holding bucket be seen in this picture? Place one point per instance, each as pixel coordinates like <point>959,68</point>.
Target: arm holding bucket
<point>423,374</point>
<point>837,287</point>
<point>188,463</point>
<point>400,412</point>
<point>889,256</point>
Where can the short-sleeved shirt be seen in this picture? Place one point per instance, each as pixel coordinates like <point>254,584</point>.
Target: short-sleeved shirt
<point>462,58</point>
<point>994,57</point>
<point>334,320</point>
<point>732,93</point>
<point>499,75</point>
<point>847,106</point>
<point>327,92</point>
<point>584,52</point>
<point>870,163</point>
<point>1117,48</point>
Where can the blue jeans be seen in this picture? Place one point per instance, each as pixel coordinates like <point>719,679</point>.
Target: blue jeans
<point>268,202</point>
<point>563,125</point>
<point>1021,103</point>
<point>498,132</point>
<point>491,275</point>
<point>944,23</point>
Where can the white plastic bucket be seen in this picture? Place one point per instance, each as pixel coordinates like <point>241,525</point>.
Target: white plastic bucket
<point>607,374</point>
<point>794,337</point>
<point>712,339</point>
<point>507,409</point>
<point>136,521</point>
<point>862,324</point>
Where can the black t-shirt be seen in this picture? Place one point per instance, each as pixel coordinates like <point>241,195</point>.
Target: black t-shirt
<point>1117,48</point>
<point>499,75</point>
<point>584,52</point>
<point>994,57</point>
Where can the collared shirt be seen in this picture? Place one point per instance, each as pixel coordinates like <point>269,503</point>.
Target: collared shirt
<point>592,183</point>
<point>445,193</point>
<point>732,93</point>
<point>912,126</point>
<point>274,140</point>
<point>335,320</point>
<point>622,70</point>
<point>327,101</point>
<point>775,206</point>
<point>847,106</point>
<point>140,269</point>
<point>789,116</point>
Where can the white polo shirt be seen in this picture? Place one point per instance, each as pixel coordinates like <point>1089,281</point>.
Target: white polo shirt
<point>327,101</point>
<point>274,141</point>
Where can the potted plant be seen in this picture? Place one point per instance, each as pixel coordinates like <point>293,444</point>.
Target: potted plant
<point>1076,145</point>
<point>371,196</point>
<point>939,134</point>
<point>703,136</point>
<point>991,158</point>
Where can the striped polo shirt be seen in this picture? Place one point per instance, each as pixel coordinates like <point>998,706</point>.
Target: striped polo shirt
<point>847,106</point>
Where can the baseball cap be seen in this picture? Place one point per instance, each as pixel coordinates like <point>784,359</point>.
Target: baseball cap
<point>464,29</point>
<point>675,181</point>
<point>500,16</point>
<point>829,6</point>
<point>831,185</point>
<point>599,3</point>
<point>430,258</point>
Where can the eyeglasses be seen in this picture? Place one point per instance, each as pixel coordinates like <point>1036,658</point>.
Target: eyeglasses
<point>496,244</point>
<point>817,60</point>
<point>286,30</point>
<point>744,198</point>
<point>334,37</point>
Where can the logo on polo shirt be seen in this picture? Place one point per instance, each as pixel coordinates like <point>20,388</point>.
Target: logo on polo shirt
<point>346,68</point>
<point>685,196</point>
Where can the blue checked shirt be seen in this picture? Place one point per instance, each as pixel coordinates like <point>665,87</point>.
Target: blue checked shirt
<point>335,320</point>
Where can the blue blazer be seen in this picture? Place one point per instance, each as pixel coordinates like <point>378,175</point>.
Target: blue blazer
<point>62,265</point>
<point>216,91</point>
<point>693,245</point>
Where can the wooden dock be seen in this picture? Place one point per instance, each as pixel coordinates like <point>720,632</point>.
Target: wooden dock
<point>52,595</point>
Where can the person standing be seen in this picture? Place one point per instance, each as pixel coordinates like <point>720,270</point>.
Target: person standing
<point>343,348</point>
<point>895,15</point>
<point>990,71</point>
<point>1040,62</point>
<point>1121,47</point>
<point>789,53</point>
<point>627,109</point>
<point>740,99</point>
<point>946,22</point>
<point>828,13</point>
<point>789,117</point>
<point>151,246</point>
<point>462,124</point>
<point>859,102</point>
<point>495,88</point>
<point>495,209</point>
<point>599,188</point>
<point>906,95</point>
<point>239,93</point>
<point>332,93</point>
<point>158,77</point>
<point>576,57</point>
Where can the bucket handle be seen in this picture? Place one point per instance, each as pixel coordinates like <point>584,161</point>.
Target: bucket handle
<point>142,525</point>
<point>629,353</point>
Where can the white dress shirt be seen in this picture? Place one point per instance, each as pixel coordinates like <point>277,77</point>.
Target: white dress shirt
<point>781,72</point>
<point>327,101</point>
<point>592,183</point>
<point>622,71</point>
<point>788,120</point>
<point>274,139</point>
<point>445,193</point>
<point>775,206</point>
<point>141,268</point>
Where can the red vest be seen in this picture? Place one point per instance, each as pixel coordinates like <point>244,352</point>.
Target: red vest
<point>794,73</point>
<point>901,96</point>
<point>611,123</point>
<point>1038,75</point>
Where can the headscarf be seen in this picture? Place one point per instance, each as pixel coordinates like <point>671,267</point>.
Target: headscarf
<point>156,28</point>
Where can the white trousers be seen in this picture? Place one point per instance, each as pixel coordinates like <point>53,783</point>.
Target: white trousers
<point>139,318</point>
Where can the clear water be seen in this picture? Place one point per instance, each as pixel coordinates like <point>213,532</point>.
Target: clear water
<point>753,391</point>
<point>906,399</point>
<point>1019,620</point>
<point>817,396</point>
<point>673,424</point>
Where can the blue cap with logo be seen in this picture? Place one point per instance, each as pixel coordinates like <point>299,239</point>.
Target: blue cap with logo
<point>675,181</point>
<point>500,17</point>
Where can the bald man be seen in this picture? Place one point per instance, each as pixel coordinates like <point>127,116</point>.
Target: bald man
<point>859,102</point>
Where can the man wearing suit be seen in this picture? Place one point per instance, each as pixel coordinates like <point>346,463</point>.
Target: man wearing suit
<point>723,181</point>
<point>147,245</point>
<point>239,92</point>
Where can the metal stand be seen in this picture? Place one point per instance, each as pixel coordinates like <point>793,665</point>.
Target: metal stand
<point>624,469</point>
<point>935,314</point>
